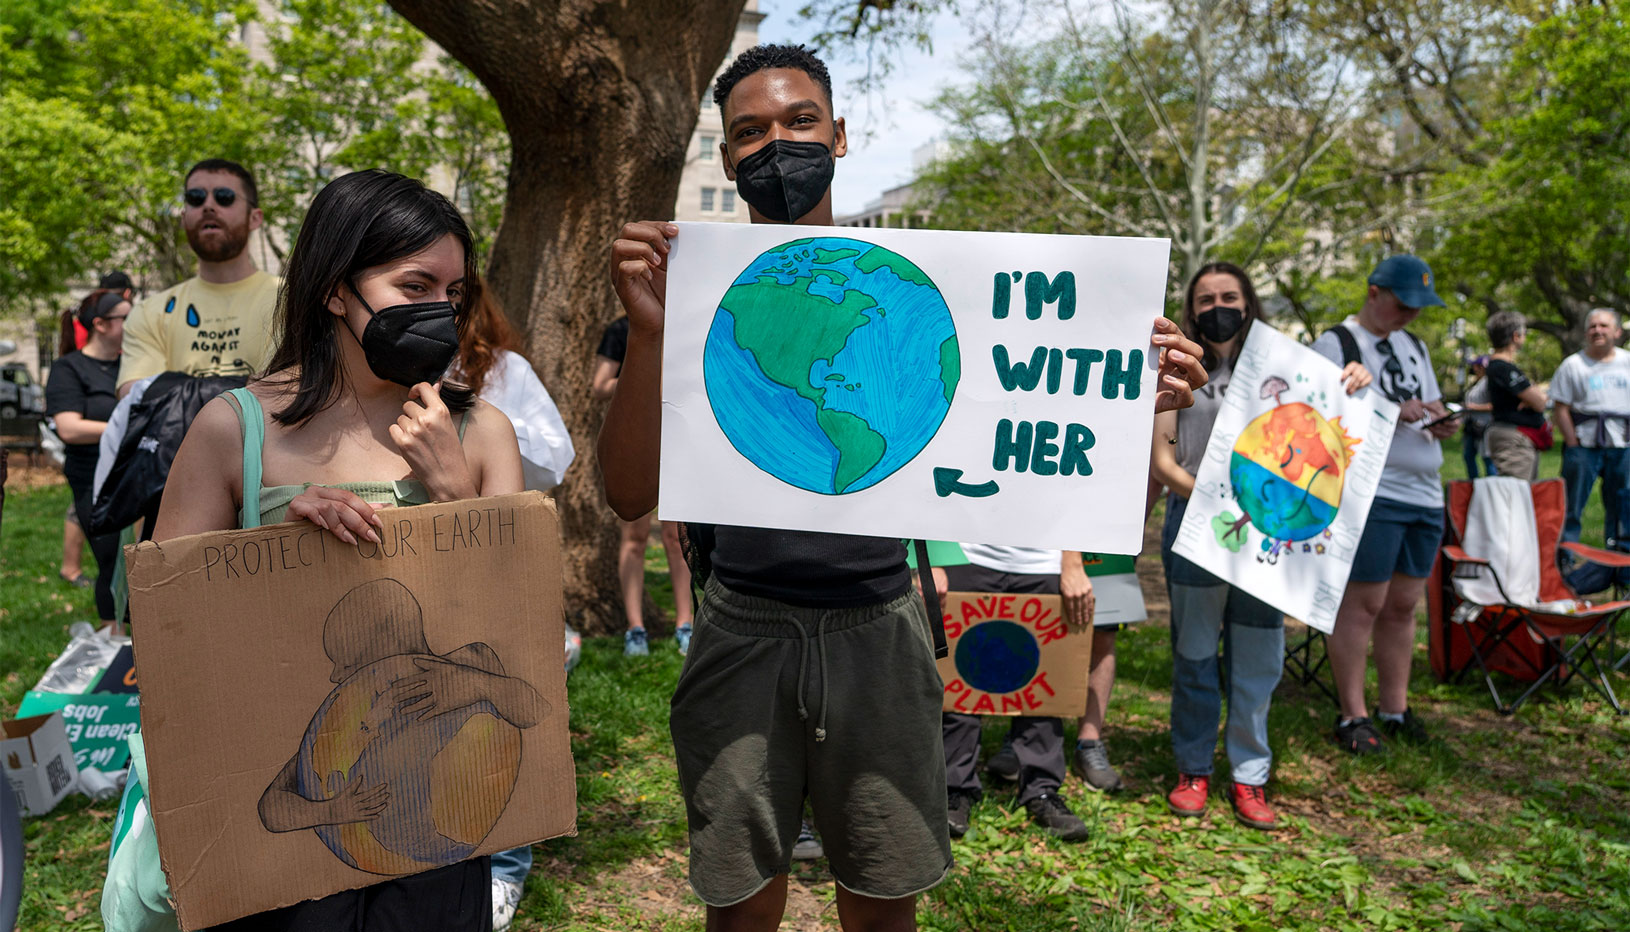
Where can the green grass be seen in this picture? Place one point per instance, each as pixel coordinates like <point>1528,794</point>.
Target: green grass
<point>1505,824</point>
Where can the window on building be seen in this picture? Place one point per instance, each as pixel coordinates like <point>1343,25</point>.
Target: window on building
<point>729,200</point>
<point>707,98</point>
<point>707,198</point>
<point>709,144</point>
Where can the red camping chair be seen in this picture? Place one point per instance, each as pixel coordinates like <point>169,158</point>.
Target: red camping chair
<point>1526,642</point>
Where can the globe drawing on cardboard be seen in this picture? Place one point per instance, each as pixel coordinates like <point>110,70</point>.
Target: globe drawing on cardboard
<point>831,363</point>
<point>411,759</point>
<point>449,776</point>
<point>999,656</point>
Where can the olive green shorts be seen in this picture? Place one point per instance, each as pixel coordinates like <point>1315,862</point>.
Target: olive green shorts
<point>777,704</point>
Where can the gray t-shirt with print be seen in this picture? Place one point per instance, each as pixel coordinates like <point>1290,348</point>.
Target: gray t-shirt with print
<point>1413,462</point>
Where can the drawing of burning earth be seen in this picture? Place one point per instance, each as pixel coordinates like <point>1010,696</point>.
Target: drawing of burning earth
<point>1287,471</point>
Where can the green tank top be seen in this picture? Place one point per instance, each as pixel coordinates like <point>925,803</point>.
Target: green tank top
<point>270,504</point>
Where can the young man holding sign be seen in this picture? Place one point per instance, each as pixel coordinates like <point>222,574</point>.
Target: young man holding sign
<point>812,669</point>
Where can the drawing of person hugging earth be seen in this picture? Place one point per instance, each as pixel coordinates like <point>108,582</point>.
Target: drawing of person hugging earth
<point>410,761</point>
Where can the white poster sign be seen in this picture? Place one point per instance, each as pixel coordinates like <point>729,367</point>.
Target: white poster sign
<point>1117,594</point>
<point>911,383</point>
<point>1288,477</point>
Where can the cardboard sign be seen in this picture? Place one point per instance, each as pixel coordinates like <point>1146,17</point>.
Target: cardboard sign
<point>1012,655</point>
<point>1287,480</point>
<point>321,716</point>
<point>1117,593</point>
<point>926,384</point>
<point>98,724</point>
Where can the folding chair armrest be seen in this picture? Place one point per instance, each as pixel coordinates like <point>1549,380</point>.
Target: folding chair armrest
<point>1597,555</point>
<point>1457,555</point>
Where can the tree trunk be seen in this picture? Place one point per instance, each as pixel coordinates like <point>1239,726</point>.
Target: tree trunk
<point>600,100</point>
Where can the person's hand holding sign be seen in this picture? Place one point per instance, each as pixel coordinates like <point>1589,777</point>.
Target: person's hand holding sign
<point>1181,371</point>
<point>337,511</point>
<point>631,437</point>
<point>639,272</point>
<point>1075,592</point>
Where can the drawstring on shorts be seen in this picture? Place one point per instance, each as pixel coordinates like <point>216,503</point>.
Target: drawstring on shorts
<point>803,671</point>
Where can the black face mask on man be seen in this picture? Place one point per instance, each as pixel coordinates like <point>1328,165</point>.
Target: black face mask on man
<point>785,179</point>
<point>409,343</point>
<point>1220,324</point>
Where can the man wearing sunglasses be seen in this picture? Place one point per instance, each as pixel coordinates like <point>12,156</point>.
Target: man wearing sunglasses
<point>220,321</point>
<point>1405,523</point>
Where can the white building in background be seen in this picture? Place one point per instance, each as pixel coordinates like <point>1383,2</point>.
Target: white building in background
<point>704,192</point>
<point>894,208</point>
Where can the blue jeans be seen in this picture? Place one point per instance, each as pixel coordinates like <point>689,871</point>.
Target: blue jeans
<point>1469,445</point>
<point>1206,610</point>
<point>1580,468</point>
<point>512,865</point>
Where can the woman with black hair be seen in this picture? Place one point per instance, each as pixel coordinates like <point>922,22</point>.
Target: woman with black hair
<point>352,416</point>
<point>79,397</point>
<point>1219,309</point>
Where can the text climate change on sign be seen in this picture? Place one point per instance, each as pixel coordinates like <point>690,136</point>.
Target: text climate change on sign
<point>996,387</point>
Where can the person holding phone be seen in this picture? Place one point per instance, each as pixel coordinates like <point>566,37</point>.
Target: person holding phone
<point>1405,523</point>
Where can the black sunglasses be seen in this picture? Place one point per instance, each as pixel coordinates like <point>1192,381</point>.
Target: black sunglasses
<point>195,197</point>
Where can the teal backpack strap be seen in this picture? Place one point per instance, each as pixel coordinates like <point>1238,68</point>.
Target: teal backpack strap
<point>463,422</point>
<point>253,422</point>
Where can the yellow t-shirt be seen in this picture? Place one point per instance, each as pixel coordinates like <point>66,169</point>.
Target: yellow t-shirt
<point>202,329</point>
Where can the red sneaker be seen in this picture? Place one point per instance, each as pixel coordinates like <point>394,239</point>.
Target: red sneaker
<point>1251,807</point>
<point>1189,798</point>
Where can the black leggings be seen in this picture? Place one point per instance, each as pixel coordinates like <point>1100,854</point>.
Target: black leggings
<point>105,547</point>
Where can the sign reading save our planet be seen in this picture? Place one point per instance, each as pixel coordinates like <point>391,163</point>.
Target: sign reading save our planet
<point>995,387</point>
<point>1011,654</point>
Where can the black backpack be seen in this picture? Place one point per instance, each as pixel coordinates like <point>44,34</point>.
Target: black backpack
<point>152,437</point>
<point>1350,352</point>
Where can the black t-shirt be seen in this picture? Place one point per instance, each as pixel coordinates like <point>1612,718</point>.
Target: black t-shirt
<point>1506,382</point>
<point>87,387</point>
<point>809,569</point>
<point>614,343</point>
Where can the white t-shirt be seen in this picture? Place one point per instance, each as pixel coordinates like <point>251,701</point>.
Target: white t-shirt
<point>1588,386</point>
<point>1032,560</point>
<point>546,448</point>
<point>1413,462</point>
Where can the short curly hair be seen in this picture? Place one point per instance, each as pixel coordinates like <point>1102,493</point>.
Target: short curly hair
<point>761,57</point>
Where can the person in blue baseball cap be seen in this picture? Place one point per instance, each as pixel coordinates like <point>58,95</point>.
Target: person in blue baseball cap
<point>1401,534</point>
<point>1409,279</point>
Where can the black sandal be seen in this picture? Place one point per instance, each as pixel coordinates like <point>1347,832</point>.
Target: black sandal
<point>78,582</point>
<point>1359,736</point>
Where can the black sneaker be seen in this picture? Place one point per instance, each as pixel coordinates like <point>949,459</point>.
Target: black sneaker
<point>1050,811</point>
<point>1410,729</point>
<point>1091,763</point>
<point>1359,737</point>
<point>958,806</point>
<point>1004,763</point>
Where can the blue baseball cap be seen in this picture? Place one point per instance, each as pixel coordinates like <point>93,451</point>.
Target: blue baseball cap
<point>1408,278</point>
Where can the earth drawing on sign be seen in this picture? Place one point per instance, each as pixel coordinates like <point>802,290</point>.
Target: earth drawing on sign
<point>831,363</point>
<point>1287,470</point>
